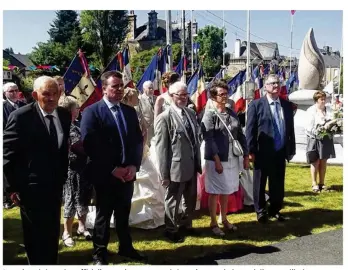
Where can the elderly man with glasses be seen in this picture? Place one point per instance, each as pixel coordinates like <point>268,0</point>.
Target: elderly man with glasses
<point>11,103</point>
<point>271,140</point>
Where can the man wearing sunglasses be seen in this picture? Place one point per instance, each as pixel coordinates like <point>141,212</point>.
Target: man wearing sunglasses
<point>271,140</point>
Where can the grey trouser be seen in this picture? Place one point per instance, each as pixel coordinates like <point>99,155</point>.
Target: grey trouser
<point>172,201</point>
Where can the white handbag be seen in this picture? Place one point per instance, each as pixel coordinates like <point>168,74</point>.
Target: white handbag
<point>236,146</point>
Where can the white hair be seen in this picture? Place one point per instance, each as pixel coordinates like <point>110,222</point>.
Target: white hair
<point>271,76</point>
<point>176,87</point>
<point>147,84</point>
<point>41,81</point>
<point>7,86</point>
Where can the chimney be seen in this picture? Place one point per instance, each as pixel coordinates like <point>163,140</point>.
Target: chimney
<point>132,25</point>
<point>237,46</point>
<point>152,24</point>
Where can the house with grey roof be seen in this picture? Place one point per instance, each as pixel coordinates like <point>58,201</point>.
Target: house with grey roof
<point>259,53</point>
<point>153,32</point>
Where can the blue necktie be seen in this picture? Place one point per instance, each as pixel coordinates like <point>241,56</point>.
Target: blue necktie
<point>277,128</point>
<point>121,128</point>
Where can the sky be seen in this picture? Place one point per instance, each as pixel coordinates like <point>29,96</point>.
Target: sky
<point>22,30</point>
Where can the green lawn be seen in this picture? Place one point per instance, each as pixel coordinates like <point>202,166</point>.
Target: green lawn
<point>310,213</point>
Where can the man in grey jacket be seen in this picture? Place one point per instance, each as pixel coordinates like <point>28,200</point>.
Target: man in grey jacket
<point>177,149</point>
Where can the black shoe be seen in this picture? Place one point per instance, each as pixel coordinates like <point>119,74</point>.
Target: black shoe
<point>263,219</point>
<point>174,237</point>
<point>132,254</point>
<point>280,217</point>
<point>189,231</point>
<point>99,261</point>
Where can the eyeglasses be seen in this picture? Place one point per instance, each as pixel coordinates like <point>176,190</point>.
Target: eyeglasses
<point>13,91</point>
<point>181,95</point>
<point>273,83</point>
<point>222,95</point>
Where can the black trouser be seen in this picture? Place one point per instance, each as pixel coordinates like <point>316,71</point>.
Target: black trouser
<point>117,198</point>
<point>273,168</point>
<point>40,213</point>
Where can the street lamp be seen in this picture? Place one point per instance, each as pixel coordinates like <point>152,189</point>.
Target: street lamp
<point>195,47</point>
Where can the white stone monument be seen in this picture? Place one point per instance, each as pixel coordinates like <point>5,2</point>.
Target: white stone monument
<point>311,72</point>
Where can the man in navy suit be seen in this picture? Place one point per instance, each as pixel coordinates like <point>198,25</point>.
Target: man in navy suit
<point>113,141</point>
<point>271,140</point>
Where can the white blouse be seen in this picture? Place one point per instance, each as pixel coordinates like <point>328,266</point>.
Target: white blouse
<point>315,117</point>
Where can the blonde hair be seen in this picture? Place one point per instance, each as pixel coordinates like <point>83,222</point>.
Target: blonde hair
<point>128,94</point>
<point>68,102</point>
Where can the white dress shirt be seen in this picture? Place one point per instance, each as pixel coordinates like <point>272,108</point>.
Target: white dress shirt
<point>57,124</point>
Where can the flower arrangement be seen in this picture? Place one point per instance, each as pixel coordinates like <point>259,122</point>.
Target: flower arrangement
<point>329,128</point>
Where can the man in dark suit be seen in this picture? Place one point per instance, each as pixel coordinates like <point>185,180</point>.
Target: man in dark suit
<point>271,141</point>
<point>35,165</point>
<point>11,103</point>
<point>113,141</point>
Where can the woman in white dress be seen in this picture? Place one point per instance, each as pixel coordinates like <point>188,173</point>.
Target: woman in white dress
<point>222,166</point>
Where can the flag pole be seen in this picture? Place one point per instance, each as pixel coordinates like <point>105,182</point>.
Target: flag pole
<point>247,77</point>
<point>291,30</point>
<point>223,44</point>
<point>192,43</point>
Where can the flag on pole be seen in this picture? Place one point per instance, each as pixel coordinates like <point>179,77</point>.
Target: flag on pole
<point>196,89</point>
<point>292,12</point>
<point>115,64</point>
<point>181,68</point>
<point>126,68</point>
<point>78,80</point>
<point>236,90</point>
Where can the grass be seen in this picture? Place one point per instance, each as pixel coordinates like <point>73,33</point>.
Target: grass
<point>310,214</point>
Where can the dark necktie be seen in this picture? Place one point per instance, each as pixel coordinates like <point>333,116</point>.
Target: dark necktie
<point>53,131</point>
<point>188,127</point>
<point>277,127</point>
<point>151,102</point>
<point>122,129</point>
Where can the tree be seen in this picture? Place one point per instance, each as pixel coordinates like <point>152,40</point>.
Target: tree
<point>64,27</point>
<point>9,50</point>
<point>105,31</point>
<point>52,53</point>
<point>141,60</point>
<point>5,62</point>
<point>210,39</point>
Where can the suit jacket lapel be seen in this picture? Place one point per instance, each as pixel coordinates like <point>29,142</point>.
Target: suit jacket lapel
<point>106,114</point>
<point>65,127</point>
<point>179,121</point>
<point>268,114</point>
<point>41,118</point>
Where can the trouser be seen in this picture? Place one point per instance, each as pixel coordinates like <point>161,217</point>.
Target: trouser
<point>117,198</point>
<point>174,193</point>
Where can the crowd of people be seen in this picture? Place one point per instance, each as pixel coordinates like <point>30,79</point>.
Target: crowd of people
<point>129,145</point>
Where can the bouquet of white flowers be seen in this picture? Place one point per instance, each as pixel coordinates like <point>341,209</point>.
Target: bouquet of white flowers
<point>329,128</point>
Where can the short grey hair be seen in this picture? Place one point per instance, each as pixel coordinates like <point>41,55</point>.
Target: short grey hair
<point>147,84</point>
<point>68,102</point>
<point>7,86</point>
<point>40,82</point>
<point>176,87</point>
<point>271,76</point>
